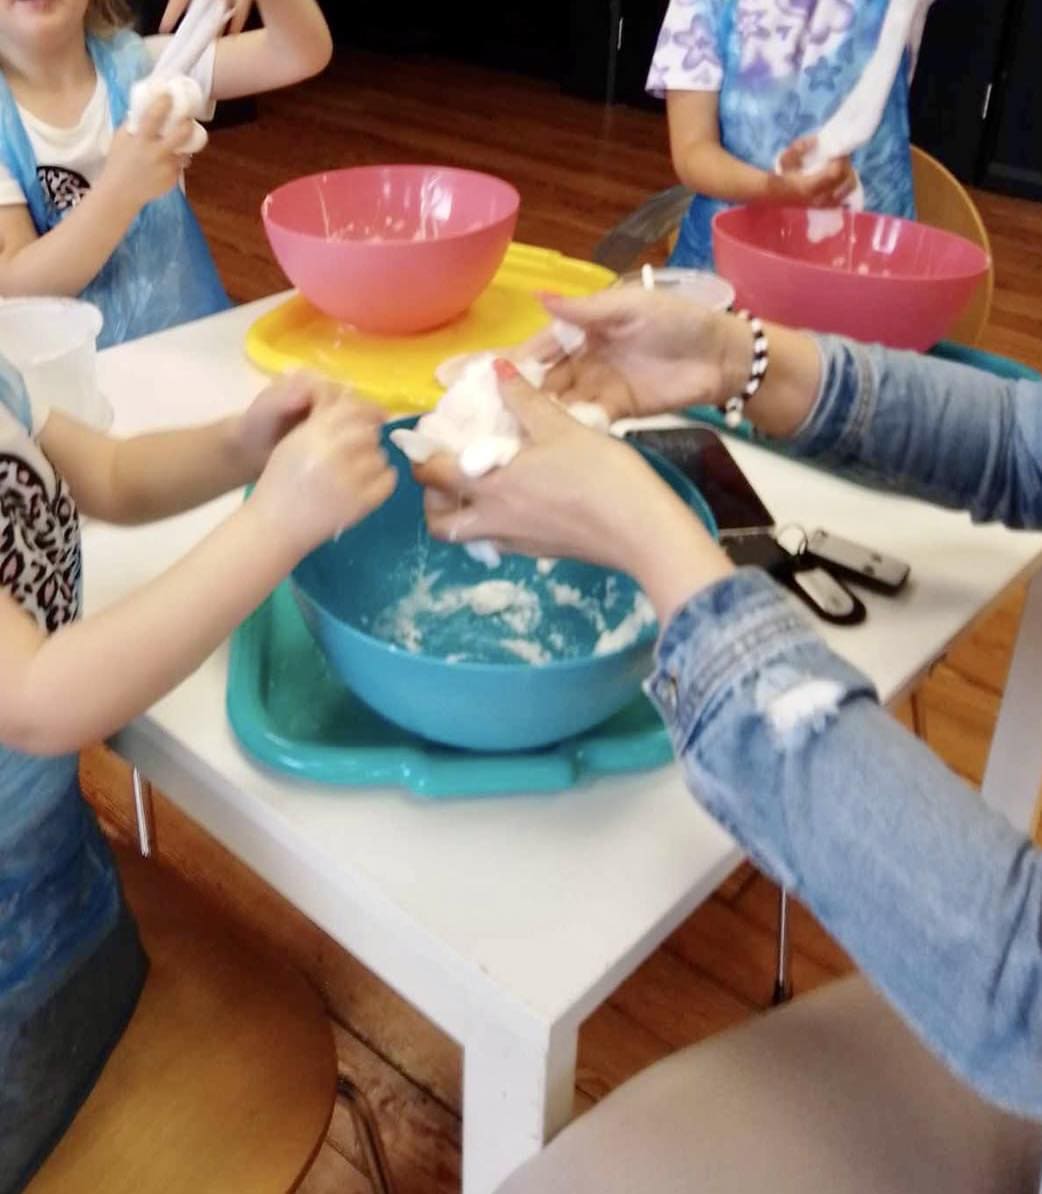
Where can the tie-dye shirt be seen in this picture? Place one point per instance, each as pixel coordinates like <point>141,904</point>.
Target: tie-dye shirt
<point>778,39</point>
<point>781,69</point>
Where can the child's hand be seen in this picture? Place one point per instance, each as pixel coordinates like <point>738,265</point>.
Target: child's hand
<point>146,165</point>
<point>326,474</point>
<point>175,10</point>
<point>821,188</point>
<point>274,413</point>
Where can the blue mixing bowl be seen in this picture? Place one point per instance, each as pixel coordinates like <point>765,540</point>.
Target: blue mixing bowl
<point>508,659</point>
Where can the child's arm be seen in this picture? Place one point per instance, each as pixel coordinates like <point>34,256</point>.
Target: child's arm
<point>294,44</point>
<point>176,9</point>
<point>65,260</point>
<point>703,165</point>
<point>154,476</point>
<point>89,679</point>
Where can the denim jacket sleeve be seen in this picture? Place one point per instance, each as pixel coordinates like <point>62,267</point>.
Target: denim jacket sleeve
<point>935,896</point>
<point>953,435</point>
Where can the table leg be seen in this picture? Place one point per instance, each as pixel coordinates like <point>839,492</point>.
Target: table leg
<point>1014,771</point>
<point>517,1093</point>
<point>783,970</point>
<point>144,817</point>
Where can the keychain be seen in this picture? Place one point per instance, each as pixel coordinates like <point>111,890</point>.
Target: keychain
<point>801,572</point>
<point>857,564</point>
<point>817,587</point>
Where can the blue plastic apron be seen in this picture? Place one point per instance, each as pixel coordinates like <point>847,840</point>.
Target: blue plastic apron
<point>760,116</point>
<point>70,964</point>
<point>162,273</point>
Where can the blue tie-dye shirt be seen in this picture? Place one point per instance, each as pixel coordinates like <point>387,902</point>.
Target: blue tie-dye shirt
<point>782,68</point>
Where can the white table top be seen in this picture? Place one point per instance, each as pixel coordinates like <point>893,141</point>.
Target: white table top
<point>535,907</point>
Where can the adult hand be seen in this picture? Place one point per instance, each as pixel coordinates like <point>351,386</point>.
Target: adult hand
<point>646,352</point>
<point>650,352</point>
<point>573,492</point>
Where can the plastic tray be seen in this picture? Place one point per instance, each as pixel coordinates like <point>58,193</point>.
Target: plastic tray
<point>398,372</point>
<point>289,712</point>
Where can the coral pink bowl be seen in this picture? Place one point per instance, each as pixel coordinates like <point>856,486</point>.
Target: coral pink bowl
<point>879,279</point>
<point>392,249</point>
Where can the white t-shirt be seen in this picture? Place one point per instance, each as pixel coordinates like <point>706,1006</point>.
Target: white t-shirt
<point>71,159</point>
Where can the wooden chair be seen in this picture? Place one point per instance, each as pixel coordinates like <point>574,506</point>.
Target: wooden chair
<point>226,1077</point>
<point>942,202</point>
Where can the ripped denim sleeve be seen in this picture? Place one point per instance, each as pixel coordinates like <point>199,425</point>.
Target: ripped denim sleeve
<point>936,897</point>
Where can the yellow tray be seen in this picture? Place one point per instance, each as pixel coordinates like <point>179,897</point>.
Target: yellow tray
<point>398,371</point>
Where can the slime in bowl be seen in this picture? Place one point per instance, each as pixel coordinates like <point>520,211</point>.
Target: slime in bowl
<point>392,250</point>
<point>513,658</point>
<point>874,278</point>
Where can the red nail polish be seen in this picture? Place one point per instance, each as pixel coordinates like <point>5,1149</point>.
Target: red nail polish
<point>505,370</point>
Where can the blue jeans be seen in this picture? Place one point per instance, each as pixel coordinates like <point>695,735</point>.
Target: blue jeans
<point>936,897</point>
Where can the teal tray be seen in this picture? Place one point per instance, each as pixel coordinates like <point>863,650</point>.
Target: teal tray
<point>291,714</point>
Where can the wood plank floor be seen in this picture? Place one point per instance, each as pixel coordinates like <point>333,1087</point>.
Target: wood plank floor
<point>579,169</point>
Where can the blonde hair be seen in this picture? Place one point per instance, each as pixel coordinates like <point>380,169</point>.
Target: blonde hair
<point>106,17</point>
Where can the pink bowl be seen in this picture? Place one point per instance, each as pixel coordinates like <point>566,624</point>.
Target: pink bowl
<point>879,279</point>
<point>392,249</point>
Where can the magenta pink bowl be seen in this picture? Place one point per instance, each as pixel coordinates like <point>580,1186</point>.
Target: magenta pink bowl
<point>880,279</point>
<point>392,249</point>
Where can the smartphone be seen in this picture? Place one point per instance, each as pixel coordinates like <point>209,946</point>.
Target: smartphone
<point>702,456</point>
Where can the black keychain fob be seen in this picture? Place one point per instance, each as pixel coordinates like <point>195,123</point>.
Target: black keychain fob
<point>813,583</point>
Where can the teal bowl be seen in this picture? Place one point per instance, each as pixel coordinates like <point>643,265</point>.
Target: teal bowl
<point>513,658</point>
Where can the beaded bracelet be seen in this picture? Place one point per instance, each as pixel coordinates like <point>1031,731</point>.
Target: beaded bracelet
<point>734,407</point>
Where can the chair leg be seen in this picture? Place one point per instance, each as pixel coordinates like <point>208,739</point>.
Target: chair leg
<point>143,815</point>
<point>783,975</point>
<point>368,1133</point>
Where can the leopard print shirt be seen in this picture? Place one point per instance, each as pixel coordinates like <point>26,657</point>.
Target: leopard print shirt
<point>39,529</point>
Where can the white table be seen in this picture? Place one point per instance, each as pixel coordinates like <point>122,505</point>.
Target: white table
<point>505,921</point>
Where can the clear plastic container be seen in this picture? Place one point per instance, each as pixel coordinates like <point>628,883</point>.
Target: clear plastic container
<point>699,285</point>
<point>52,342</point>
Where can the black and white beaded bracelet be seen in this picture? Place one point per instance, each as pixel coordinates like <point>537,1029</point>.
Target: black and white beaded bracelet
<point>734,407</point>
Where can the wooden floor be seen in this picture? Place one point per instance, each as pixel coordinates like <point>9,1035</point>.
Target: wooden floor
<point>579,169</point>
